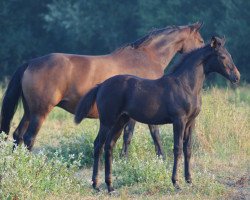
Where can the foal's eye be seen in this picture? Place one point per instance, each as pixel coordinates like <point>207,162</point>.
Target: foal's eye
<point>222,57</point>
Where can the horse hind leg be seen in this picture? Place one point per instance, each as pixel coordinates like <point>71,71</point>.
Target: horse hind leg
<point>154,131</point>
<point>98,149</point>
<point>35,124</point>
<point>18,133</point>
<point>127,136</point>
<point>22,127</point>
<point>113,135</point>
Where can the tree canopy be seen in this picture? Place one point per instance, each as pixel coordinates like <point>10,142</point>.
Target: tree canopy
<point>33,28</point>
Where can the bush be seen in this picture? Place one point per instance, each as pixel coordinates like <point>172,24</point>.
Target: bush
<point>25,175</point>
<point>77,148</point>
<point>136,170</point>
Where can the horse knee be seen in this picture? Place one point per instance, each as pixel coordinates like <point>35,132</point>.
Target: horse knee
<point>177,152</point>
<point>187,152</point>
<point>97,151</point>
<point>108,147</point>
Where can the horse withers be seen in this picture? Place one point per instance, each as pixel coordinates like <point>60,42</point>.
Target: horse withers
<point>173,98</point>
<point>61,79</point>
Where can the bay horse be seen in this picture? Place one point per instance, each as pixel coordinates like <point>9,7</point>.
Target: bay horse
<point>172,99</point>
<point>61,79</point>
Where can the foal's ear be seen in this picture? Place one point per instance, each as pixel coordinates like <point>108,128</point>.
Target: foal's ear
<point>215,42</point>
<point>196,26</point>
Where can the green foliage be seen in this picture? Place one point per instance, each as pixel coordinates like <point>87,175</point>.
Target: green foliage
<point>86,27</point>
<point>143,171</point>
<point>24,175</point>
<point>75,149</point>
<point>22,34</point>
<point>30,29</point>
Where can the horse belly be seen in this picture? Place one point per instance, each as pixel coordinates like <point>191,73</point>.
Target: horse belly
<point>148,113</point>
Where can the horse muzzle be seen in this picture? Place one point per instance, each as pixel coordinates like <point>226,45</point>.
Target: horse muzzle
<point>235,76</point>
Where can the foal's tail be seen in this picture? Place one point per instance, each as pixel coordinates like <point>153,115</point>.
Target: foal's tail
<point>85,104</point>
<point>10,99</point>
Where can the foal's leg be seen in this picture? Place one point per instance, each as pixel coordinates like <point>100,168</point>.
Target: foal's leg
<point>98,149</point>
<point>154,130</point>
<point>113,135</point>
<point>187,150</point>
<point>179,127</point>
<point>35,124</point>
<point>127,136</point>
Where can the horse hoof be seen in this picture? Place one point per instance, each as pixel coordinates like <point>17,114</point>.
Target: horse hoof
<point>124,155</point>
<point>177,187</point>
<point>189,181</point>
<point>111,190</point>
<point>113,193</point>
<point>96,188</point>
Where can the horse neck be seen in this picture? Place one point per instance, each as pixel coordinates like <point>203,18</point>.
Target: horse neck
<point>192,70</point>
<point>164,47</point>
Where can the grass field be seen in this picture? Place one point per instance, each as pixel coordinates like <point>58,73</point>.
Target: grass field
<point>59,167</point>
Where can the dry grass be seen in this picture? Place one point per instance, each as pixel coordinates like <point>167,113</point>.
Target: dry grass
<point>220,162</point>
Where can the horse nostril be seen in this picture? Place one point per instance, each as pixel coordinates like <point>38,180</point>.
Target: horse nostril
<point>236,78</point>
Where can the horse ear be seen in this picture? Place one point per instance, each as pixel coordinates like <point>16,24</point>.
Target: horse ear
<point>196,26</point>
<point>214,42</point>
<point>223,40</point>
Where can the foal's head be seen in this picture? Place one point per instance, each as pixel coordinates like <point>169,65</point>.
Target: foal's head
<point>193,38</point>
<point>222,62</point>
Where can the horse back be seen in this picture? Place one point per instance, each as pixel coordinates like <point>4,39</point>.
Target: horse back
<point>56,78</point>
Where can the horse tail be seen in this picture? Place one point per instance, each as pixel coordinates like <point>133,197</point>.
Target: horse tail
<point>85,104</point>
<point>11,98</point>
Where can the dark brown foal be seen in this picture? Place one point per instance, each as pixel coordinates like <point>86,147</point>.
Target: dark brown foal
<point>173,98</point>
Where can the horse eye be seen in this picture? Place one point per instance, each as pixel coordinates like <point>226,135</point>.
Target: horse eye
<point>222,57</point>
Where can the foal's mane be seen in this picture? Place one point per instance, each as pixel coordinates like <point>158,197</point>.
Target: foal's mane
<point>148,37</point>
<point>184,58</point>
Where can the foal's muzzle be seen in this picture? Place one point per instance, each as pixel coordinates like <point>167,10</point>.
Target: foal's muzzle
<point>235,76</point>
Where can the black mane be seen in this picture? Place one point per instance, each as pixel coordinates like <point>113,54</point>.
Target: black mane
<point>184,57</point>
<point>148,37</point>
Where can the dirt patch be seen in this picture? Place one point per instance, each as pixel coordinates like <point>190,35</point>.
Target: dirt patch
<point>240,188</point>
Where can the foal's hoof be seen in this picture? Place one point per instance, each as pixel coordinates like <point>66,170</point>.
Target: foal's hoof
<point>177,187</point>
<point>189,181</point>
<point>124,155</point>
<point>96,188</point>
<point>111,190</point>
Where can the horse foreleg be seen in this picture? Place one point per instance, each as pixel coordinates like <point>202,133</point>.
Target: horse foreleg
<point>98,149</point>
<point>127,136</point>
<point>179,127</point>
<point>154,131</point>
<point>187,150</point>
